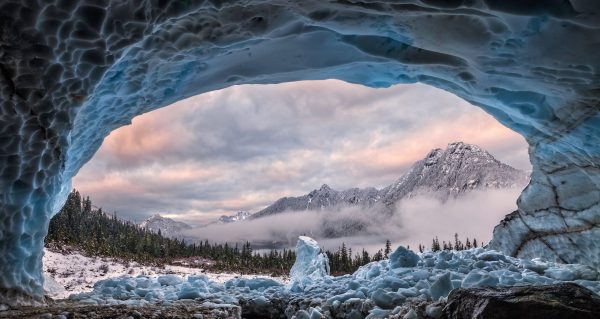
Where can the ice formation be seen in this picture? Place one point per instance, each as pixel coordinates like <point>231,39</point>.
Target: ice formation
<point>376,290</point>
<point>73,71</point>
<point>311,264</point>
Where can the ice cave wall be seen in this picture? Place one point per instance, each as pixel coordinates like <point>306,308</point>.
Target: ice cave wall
<point>73,71</point>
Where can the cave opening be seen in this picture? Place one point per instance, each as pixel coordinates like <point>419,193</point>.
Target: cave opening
<point>71,74</point>
<point>241,149</point>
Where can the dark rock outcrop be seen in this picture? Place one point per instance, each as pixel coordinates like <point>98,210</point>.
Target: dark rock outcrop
<point>561,301</point>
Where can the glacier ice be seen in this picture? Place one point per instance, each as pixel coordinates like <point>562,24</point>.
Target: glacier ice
<point>311,264</point>
<point>73,71</point>
<point>402,257</point>
<point>363,294</point>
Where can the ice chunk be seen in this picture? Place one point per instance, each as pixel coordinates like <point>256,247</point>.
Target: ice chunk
<point>403,257</point>
<point>253,283</point>
<point>187,291</point>
<point>169,280</point>
<point>563,274</point>
<point>491,255</point>
<point>441,287</point>
<point>310,265</point>
<point>411,314</point>
<point>478,278</point>
<point>51,286</point>
<point>433,311</point>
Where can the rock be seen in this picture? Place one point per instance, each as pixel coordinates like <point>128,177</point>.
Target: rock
<point>560,301</point>
<point>411,314</point>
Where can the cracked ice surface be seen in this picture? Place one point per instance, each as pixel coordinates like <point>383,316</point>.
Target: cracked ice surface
<point>73,71</point>
<point>376,290</point>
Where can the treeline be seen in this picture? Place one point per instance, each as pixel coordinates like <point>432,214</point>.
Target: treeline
<point>81,226</point>
<point>457,245</point>
<point>342,262</point>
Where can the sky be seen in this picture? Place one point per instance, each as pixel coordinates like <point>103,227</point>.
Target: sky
<point>243,147</point>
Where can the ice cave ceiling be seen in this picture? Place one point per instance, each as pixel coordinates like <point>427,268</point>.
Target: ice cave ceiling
<point>73,71</point>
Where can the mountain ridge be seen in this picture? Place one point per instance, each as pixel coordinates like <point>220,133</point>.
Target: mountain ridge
<point>444,173</point>
<point>167,226</point>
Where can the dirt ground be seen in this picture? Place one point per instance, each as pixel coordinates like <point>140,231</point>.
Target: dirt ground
<point>66,309</point>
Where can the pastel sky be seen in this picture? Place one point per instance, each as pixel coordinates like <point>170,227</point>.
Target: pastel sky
<point>243,147</point>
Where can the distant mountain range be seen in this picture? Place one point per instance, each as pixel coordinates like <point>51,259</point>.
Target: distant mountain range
<point>173,229</point>
<point>446,173</point>
<point>167,226</point>
<point>239,216</point>
<point>443,173</point>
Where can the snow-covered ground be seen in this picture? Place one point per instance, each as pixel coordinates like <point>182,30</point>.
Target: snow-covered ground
<point>71,273</point>
<point>380,289</point>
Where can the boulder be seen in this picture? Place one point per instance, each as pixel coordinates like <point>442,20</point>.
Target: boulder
<point>560,301</point>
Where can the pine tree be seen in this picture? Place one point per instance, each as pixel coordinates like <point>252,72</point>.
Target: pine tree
<point>458,245</point>
<point>388,249</point>
<point>436,245</point>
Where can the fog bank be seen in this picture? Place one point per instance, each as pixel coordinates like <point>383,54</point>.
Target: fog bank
<point>414,221</point>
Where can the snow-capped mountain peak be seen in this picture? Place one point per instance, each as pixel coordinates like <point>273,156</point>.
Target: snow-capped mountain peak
<point>444,173</point>
<point>239,216</point>
<point>167,226</point>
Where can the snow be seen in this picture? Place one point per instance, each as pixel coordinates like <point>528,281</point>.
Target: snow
<point>375,290</point>
<point>70,273</point>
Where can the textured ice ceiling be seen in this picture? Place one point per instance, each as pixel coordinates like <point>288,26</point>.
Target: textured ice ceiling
<point>73,71</point>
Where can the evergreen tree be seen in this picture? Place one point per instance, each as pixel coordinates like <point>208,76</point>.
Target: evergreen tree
<point>388,249</point>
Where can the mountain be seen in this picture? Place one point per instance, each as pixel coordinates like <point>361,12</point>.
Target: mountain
<point>446,173</point>
<point>234,218</point>
<point>167,226</point>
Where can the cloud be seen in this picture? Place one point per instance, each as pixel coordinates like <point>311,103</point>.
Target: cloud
<point>243,147</point>
<point>415,221</point>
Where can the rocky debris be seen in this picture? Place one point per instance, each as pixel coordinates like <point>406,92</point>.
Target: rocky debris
<point>559,301</point>
<point>66,309</point>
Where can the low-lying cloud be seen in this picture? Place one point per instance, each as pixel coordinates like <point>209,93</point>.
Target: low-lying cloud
<point>415,221</point>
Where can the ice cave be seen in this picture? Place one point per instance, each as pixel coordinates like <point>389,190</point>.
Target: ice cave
<point>73,71</point>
